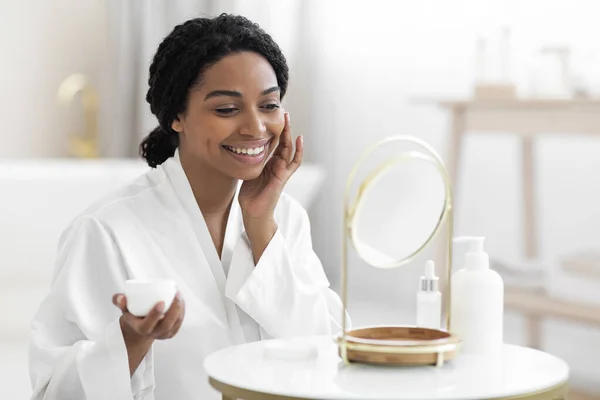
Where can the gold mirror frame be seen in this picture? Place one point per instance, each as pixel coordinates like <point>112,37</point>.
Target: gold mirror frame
<point>427,153</point>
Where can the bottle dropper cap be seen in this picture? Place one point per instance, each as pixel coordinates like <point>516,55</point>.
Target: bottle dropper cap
<point>429,282</point>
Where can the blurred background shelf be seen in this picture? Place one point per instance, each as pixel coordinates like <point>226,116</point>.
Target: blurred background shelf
<point>540,287</point>
<point>539,304</point>
<point>585,264</point>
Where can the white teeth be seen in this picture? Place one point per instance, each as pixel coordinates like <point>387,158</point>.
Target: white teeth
<point>250,152</point>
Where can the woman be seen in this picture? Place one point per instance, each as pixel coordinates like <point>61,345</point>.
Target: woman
<point>241,254</point>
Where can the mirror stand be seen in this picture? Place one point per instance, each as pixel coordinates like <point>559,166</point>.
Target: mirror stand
<point>396,345</point>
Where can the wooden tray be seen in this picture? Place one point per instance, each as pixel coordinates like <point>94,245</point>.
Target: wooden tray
<point>399,345</point>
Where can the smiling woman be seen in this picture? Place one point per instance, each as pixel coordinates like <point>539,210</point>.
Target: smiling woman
<point>229,117</point>
<point>210,216</point>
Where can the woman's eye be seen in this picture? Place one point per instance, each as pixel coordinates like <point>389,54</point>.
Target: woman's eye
<point>226,111</point>
<point>271,106</point>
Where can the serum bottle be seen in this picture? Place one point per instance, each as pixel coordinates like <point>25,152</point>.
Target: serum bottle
<point>429,299</point>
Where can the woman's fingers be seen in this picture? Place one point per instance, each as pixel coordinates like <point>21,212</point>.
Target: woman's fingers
<point>177,325</point>
<point>297,160</point>
<point>277,151</point>
<point>148,323</point>
<point>172,331</point>
<point>175,313</point>
<point>285,147</point>
<point>120,301</point>
<point>132,322</point>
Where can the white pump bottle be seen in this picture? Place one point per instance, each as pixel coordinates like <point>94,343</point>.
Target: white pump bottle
<point>477,300</point>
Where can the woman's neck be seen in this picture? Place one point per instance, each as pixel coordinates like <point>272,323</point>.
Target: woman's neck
<point>213,191</point>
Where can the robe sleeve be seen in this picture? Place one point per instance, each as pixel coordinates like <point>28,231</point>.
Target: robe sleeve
<point>287,292</point>
<point>77,350</point>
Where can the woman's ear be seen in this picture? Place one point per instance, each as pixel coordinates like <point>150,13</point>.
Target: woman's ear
<point>177,125</point>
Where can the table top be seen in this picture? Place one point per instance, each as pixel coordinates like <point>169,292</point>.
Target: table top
<point>517,371</point>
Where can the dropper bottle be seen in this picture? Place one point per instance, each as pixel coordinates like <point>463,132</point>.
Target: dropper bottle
<point>429,299</point>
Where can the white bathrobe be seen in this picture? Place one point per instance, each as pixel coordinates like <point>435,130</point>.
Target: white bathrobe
<point>153,228</point>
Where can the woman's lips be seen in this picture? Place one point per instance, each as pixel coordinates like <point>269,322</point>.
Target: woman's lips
<point>249,144</point>
<point>250,152</point>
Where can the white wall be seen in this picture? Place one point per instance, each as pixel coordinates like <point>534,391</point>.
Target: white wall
<point>42,43</point>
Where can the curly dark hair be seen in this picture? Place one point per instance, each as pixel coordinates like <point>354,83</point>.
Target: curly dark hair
<point>180,61</point>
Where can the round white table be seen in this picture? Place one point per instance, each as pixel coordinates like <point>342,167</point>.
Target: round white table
<point>251,372</point>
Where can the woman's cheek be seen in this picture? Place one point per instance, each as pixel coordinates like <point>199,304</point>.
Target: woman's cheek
<point>276,125</point>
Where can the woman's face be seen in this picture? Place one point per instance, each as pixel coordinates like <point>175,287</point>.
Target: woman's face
<point>234,118</point>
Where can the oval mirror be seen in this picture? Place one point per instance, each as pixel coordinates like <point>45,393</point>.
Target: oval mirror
<point>398,207</point>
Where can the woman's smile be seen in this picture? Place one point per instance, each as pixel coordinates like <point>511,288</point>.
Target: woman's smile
<point>249,152</point>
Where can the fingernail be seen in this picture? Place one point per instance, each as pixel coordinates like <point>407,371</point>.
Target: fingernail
<point>302,139</point>
<point>178,296</point>
<point>160,307</point>
<point>120,299</point>
<point>289,117</point>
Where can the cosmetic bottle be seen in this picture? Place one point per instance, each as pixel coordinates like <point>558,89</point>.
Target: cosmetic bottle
<point>429,299</point>
<point>477,302</point>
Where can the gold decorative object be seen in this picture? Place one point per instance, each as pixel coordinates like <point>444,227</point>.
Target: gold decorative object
<point>84,145</point>
<point>396,345</point>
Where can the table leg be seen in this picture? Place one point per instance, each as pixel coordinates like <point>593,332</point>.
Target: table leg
<point>455,143</point>
<point>534,323</point>
<point>529,228</point>
<point>454,150</point>
<point>529,198</point>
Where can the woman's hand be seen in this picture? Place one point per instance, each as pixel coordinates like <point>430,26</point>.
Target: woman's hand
<point>140,332</point>
<point>258,197</point>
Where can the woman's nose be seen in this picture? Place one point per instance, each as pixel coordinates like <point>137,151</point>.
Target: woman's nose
<point>253,125</point>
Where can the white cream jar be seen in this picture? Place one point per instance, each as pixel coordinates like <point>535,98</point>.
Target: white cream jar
<point>143,295</point>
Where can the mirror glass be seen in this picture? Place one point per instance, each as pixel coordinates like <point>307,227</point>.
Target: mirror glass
<point>398,207</point>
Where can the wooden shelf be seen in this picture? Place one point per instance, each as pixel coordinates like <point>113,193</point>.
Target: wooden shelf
<point>585,264</point>
<point>540,304</point>
<point>515,103</point>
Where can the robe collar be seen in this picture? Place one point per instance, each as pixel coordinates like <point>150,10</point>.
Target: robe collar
<point>181,185</point>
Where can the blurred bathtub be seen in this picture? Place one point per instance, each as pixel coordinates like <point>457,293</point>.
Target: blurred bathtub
<point>40,197</point>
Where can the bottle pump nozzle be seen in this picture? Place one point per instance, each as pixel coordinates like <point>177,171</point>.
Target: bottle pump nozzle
<point>475,257</point>
<point>475,242</point>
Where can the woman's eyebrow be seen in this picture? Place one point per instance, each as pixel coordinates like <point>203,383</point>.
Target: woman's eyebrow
<point>233,93</point>
<point>270,90</point>
<point>228,93</point>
